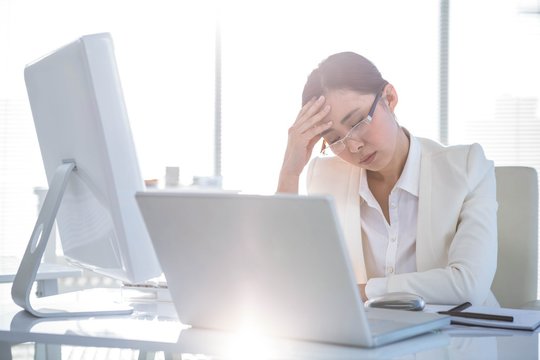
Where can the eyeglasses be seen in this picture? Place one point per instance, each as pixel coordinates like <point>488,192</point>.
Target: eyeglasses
<point>358,130</point>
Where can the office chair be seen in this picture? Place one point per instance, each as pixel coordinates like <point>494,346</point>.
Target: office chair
<point>516,279</point>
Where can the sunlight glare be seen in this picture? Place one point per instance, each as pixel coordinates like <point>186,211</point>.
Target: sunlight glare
<point>249,343</point>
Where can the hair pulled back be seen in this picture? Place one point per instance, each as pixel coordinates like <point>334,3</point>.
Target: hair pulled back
<point>343,71</point>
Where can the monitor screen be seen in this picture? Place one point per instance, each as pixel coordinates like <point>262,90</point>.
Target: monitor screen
<point>80,115</point>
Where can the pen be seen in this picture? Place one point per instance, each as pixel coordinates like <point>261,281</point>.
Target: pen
<point>457,311</point>
<point>473,315</point>
<point>461,307</point>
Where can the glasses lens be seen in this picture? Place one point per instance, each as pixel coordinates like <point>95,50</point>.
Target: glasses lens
<point>337,147</point>
<point>359,129</point>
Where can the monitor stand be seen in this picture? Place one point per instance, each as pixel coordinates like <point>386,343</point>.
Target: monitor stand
<point>56,305</point>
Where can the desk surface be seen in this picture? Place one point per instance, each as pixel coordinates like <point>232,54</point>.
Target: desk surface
<point>154,327</point>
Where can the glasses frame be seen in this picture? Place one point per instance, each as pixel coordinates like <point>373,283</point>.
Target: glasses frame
<point>339,145</point>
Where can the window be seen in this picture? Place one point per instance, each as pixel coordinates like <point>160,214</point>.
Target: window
<point>495,79</point>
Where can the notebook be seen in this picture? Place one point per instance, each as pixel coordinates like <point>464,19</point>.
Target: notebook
<point>519,319</point>
<point>276,265</point>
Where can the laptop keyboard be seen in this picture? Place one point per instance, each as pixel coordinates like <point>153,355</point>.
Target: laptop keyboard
<point>381,326</point>
<point>157,283</point>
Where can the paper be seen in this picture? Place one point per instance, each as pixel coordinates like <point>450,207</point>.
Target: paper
<point>523,319</point>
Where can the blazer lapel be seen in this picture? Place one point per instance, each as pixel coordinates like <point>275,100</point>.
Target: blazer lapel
<point>424,221</point>
<point>352,225</point>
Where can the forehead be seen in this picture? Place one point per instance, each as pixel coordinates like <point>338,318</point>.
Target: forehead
<point>342,102</point>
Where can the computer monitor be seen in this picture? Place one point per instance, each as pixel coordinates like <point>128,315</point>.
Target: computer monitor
<point>91,165</point>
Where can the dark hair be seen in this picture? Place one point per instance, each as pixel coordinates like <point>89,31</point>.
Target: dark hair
<point>343,71</point>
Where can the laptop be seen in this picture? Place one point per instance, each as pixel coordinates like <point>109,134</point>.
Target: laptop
<point>274,264</point>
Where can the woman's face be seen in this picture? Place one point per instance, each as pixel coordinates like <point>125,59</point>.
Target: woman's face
<point>376,147</point>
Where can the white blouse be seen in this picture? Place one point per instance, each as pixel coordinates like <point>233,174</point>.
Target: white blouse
<point>390,248</point>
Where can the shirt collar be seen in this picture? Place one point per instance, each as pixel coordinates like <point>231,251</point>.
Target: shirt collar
<point>409,179</point>
<point>365,192</point>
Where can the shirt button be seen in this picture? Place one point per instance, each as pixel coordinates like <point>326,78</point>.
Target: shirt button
<point>393,239</point>
<point>390,270</point>
<point>393,205</point>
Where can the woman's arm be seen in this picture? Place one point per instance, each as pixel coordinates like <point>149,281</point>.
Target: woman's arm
<point>303,135</point>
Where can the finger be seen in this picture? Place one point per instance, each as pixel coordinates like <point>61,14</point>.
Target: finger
<point>316,130</point>
<point>314,120</point>
<point>310,108</point>
<point>313,142</point>
<point>304,109</point>
<point>306,106</point>
<point>315,107</point>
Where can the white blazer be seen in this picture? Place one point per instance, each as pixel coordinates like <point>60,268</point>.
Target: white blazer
<point>456,243</point>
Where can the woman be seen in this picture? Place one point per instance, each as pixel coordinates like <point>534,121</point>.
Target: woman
<point>417,216</point>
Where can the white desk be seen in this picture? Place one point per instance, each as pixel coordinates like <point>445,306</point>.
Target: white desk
<point>154,327</point>
<point>47,284</point>
<point>47,276</point>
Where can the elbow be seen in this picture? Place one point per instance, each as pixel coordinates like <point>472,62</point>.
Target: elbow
<point>471,285</point>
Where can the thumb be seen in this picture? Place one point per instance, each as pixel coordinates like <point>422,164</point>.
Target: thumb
<point>312,143</point>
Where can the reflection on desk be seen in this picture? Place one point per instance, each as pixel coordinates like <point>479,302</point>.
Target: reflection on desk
<point>169,335</point>
<point>154,327</point>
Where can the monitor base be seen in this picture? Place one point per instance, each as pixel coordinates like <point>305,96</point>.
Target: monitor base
<point>84,303</point>
<point>26,274</point>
